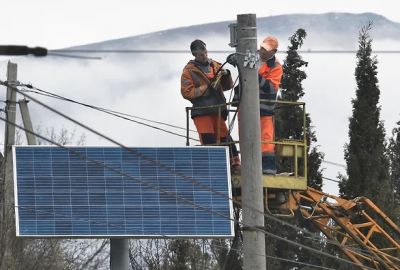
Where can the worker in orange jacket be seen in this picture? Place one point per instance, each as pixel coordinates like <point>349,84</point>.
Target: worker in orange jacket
<point>203,87</point>
<point>269,76</point>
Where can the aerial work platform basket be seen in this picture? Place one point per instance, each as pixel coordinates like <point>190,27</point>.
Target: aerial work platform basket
<point>292,150</point>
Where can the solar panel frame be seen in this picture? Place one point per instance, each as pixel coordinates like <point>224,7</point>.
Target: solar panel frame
<point>79,214</point>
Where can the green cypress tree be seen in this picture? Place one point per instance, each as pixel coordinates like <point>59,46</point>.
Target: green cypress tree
<point>289,124</point>
<point>394,154</point>
<point>365,154</point>
<point>289,120</point>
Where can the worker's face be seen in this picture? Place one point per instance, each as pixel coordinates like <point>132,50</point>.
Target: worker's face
<point>200,55</point>
<point>265,55</point>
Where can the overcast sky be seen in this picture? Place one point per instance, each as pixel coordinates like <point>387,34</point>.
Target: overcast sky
<point>63,23</point>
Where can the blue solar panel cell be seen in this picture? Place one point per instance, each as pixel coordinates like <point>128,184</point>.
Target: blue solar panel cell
<point>110,191</point>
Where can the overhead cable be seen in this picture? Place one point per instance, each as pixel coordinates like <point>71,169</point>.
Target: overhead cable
<point>271,217</point>
<point>159,51</point>
<point>111,112</point>
<point>171,238</point>
<point>53,95</point>
<point>180,175</point>
<point>172,194</point>
<point>281,259</point>
<point>158,164</point>
<point>330,179</point>
<point>333,163</point>
<point>49,94</point>
<point>21,50</point>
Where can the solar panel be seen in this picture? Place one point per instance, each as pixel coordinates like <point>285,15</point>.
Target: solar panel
<point>111,191</point>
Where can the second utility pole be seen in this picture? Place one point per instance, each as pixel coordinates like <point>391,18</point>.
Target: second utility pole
<point>250,145</point>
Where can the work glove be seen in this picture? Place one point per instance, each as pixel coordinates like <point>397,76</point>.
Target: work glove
<point>225,72</point>
<point>231,59</point>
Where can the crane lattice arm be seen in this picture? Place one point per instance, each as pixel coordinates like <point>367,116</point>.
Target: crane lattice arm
<point>361,230</point>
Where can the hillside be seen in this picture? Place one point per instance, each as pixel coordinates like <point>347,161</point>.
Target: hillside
<point>325,31</point>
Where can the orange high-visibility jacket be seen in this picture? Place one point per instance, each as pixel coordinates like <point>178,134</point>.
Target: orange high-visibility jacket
<point>193,77</point>
<point>269,77</point>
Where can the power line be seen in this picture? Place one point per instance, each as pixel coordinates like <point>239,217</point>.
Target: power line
<point>344,51</point>
<point>333,163</point>
<point>110,112</point>
<point>330,179</point>
<point>134,51</point>
<point>120,115</point>
<point>49,94</point>
<point>131,51</point>
<point>97,162</point>
<point>167,237</point>
<point>75,56</point>
<point>19,50</point>
<point>171,171</point>
<point>180,175</point>
<point>179,197</point>
<point>116,142</point>
<point>117,114</point>
<point>56,96</point>
<point>280,259</point>
<point>177,174</point>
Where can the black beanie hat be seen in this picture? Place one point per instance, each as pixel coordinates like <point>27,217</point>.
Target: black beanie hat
<point>197,45</point>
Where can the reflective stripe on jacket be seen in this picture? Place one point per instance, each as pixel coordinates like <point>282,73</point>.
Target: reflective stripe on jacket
<point>193,77</point>
<point>269,78</point>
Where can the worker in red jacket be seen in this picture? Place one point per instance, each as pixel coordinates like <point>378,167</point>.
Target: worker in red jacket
<point>203,87</point>
<point>269,76</point>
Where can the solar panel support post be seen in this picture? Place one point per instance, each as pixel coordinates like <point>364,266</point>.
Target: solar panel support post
<point>250,144</point>
<point>119,254</point>
<point>26,119</point>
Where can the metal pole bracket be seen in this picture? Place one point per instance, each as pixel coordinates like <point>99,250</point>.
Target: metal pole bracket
<point>250,59</point>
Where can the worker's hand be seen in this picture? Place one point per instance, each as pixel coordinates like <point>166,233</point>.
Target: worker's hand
<point>225,72</point>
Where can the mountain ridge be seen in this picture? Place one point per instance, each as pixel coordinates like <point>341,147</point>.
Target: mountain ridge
<point>325,30</point>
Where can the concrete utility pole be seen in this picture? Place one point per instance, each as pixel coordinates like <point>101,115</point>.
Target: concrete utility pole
<point>250,145</point>
<point>9,137</point>
<point>13,247</point>
<point>26,119</point>
<point>119,254</point>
